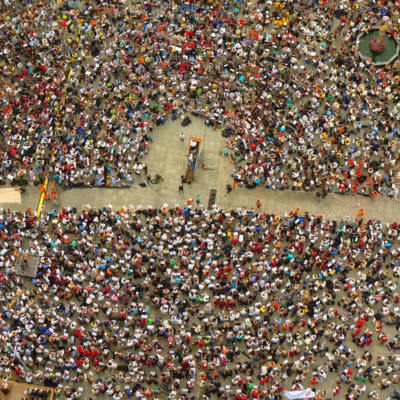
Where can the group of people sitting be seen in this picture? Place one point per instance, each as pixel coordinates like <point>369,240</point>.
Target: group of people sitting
<point>173,302</point>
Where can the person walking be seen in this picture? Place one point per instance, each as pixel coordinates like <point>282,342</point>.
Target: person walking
<point>258,203</point>
<point>181,189</point>
<point>182,137</point>
<point>198,199</point>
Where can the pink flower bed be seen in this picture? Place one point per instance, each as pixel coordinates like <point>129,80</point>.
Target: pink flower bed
<point>377,47</point>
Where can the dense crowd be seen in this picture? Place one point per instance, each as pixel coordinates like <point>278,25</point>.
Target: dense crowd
<point>190,304</point>
<point>85,84</point>
<point>186,303</point>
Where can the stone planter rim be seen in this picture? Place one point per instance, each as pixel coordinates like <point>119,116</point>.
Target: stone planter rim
<point>378,64</point>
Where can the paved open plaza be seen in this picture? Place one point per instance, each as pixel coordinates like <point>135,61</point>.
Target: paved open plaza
<point>168,157</point>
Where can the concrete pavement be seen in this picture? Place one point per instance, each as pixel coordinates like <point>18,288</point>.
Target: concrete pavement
<point>168,157</point>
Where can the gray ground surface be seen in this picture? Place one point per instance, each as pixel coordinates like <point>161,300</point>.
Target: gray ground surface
<point>168,157</point>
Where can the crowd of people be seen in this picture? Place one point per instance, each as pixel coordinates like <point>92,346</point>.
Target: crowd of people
<point>188,303</point>
<point>85,84</point>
